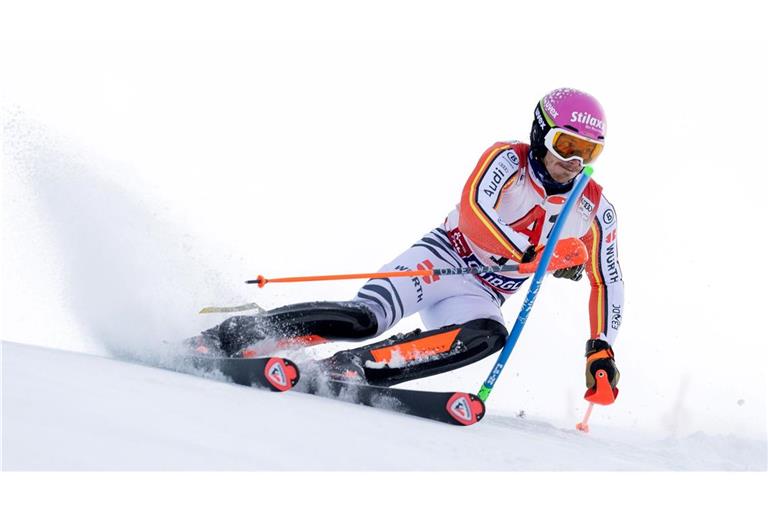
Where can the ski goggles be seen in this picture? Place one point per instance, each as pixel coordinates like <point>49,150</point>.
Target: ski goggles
<point>569,146</point>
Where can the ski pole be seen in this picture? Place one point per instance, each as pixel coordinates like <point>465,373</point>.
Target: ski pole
<point>538,277</point>
<point>602,394</point>
<point>568,253</point>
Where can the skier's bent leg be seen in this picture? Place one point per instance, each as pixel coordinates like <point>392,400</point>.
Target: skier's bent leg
<point>325,321</point>
<point>418,354</point>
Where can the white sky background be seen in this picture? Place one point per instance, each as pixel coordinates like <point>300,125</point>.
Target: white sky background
<point>309,139</point>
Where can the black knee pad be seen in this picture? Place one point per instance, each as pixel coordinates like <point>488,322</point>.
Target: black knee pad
<point>237,332</point>
<point>331,320</point>
<point>482,338</point>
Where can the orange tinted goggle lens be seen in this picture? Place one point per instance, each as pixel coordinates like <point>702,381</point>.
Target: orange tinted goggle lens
<point>567,146</point>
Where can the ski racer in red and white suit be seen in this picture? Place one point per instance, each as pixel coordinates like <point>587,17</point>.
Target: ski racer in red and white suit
<point>507,210</point>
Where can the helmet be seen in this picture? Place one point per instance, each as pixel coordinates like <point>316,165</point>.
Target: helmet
<point>570,110</point>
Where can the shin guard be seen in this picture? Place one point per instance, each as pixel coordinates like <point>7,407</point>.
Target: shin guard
<point>418,354</point>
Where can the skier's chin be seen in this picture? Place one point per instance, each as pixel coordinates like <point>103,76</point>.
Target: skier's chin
<point>566,173</point>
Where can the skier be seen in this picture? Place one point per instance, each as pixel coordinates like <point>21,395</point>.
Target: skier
<point>507,210</point>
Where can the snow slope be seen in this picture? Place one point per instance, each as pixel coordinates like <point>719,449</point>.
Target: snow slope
<point>66,410</point>
<point>115,231</point>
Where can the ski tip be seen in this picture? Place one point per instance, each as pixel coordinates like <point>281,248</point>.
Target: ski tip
<point>281,374</point>
<point>465,408</point>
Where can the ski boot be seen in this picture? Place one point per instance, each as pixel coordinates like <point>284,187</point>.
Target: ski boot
<point>345,366</point>
<point>205,345</point>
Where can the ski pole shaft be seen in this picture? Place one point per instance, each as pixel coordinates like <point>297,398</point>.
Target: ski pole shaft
<point>475,270</point>
<point>568,253</point>
<point>261,280</point>
<point>584,425</point>
<point>538,277</point>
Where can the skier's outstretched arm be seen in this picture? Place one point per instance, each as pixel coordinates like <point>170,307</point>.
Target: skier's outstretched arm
<point>606,300</point>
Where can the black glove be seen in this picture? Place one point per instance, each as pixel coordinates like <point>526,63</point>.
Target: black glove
<point>572,273</point>
<point>600,357</point>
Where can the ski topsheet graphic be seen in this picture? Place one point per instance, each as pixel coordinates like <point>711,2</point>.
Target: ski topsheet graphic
<point>274,373</point>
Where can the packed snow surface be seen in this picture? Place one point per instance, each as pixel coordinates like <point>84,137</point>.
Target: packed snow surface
<point>72,411</point>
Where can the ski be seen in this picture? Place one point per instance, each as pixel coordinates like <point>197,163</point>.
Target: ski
<point>453,408</point>
<point>281,374</point>
<point>273,373</point>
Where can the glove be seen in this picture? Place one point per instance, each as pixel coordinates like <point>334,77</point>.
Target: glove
<point>572,273</point>
<point>600,357</point>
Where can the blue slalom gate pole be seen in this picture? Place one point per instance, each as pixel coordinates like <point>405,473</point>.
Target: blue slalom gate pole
<point>538,277</point>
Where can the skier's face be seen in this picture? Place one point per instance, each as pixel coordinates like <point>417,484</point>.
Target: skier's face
<point>561,171</point>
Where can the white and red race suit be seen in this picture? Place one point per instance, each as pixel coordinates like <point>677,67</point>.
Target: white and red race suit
<point>504,209</point>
